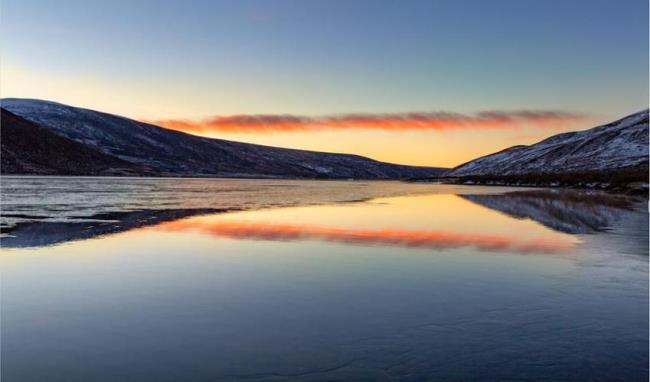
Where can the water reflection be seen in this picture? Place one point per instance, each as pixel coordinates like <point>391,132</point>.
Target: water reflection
<point>570,211</point>
<point>406,288</point>
<point>392,237</point>
<point>566,211</point>
<point>38,233</point>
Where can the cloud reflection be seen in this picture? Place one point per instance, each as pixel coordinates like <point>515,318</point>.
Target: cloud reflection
<point>391,237</point>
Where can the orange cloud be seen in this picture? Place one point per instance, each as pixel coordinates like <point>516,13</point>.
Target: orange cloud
<point>395,121</point>
<point>394,237</point>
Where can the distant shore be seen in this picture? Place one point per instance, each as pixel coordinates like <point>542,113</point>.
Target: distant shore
<point>629,180</point>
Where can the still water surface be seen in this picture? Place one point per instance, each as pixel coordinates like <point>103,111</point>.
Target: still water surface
<point>210,280</point>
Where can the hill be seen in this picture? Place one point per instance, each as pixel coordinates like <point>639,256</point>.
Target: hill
<point>613,153</point>
<point>30,149</point>
<point>173,153</point>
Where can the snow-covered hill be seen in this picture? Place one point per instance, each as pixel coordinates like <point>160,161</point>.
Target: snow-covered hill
<point>175,153</point>
<point>30,149</point>
<point>620,144</point>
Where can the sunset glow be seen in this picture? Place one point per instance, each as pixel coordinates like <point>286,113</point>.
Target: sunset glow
<point>428,90</point>
<point>324,190</point>
<point>389,122</point>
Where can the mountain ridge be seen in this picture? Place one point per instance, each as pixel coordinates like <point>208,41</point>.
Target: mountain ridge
<point>174,153</point>
<point>621,144</point>
<point>31,149</point>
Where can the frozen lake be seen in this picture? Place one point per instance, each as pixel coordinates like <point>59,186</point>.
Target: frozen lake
<point>270,280</point>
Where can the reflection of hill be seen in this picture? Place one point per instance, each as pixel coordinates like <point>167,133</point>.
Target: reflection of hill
<point>42,233</point>
<point>570,211</point>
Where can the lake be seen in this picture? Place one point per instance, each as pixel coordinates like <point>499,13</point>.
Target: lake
<point>124,279</point>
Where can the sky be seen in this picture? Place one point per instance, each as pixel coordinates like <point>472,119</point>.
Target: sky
<point>434,82</point>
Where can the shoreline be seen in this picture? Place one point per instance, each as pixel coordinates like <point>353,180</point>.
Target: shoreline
<point>626,180</point>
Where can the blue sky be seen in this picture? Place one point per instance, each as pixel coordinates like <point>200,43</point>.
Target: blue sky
<point>194,59</point>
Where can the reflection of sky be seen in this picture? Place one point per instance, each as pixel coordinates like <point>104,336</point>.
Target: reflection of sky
<point>432,221</point>
<point>150,303</point>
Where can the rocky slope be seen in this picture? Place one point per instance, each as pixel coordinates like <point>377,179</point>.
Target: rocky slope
<point>617,145</point>
<point>174,153</point>
<point>31,149</point>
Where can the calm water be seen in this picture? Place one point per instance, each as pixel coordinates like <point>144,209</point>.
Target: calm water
<point>211,280</point>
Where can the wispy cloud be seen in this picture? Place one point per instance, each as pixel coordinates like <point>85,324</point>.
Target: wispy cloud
<point>393,237</point>
<point>383,121</point>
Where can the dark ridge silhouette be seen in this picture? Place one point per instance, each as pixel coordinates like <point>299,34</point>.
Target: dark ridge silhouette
<point>31,149</point>
<point>173,153</point>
